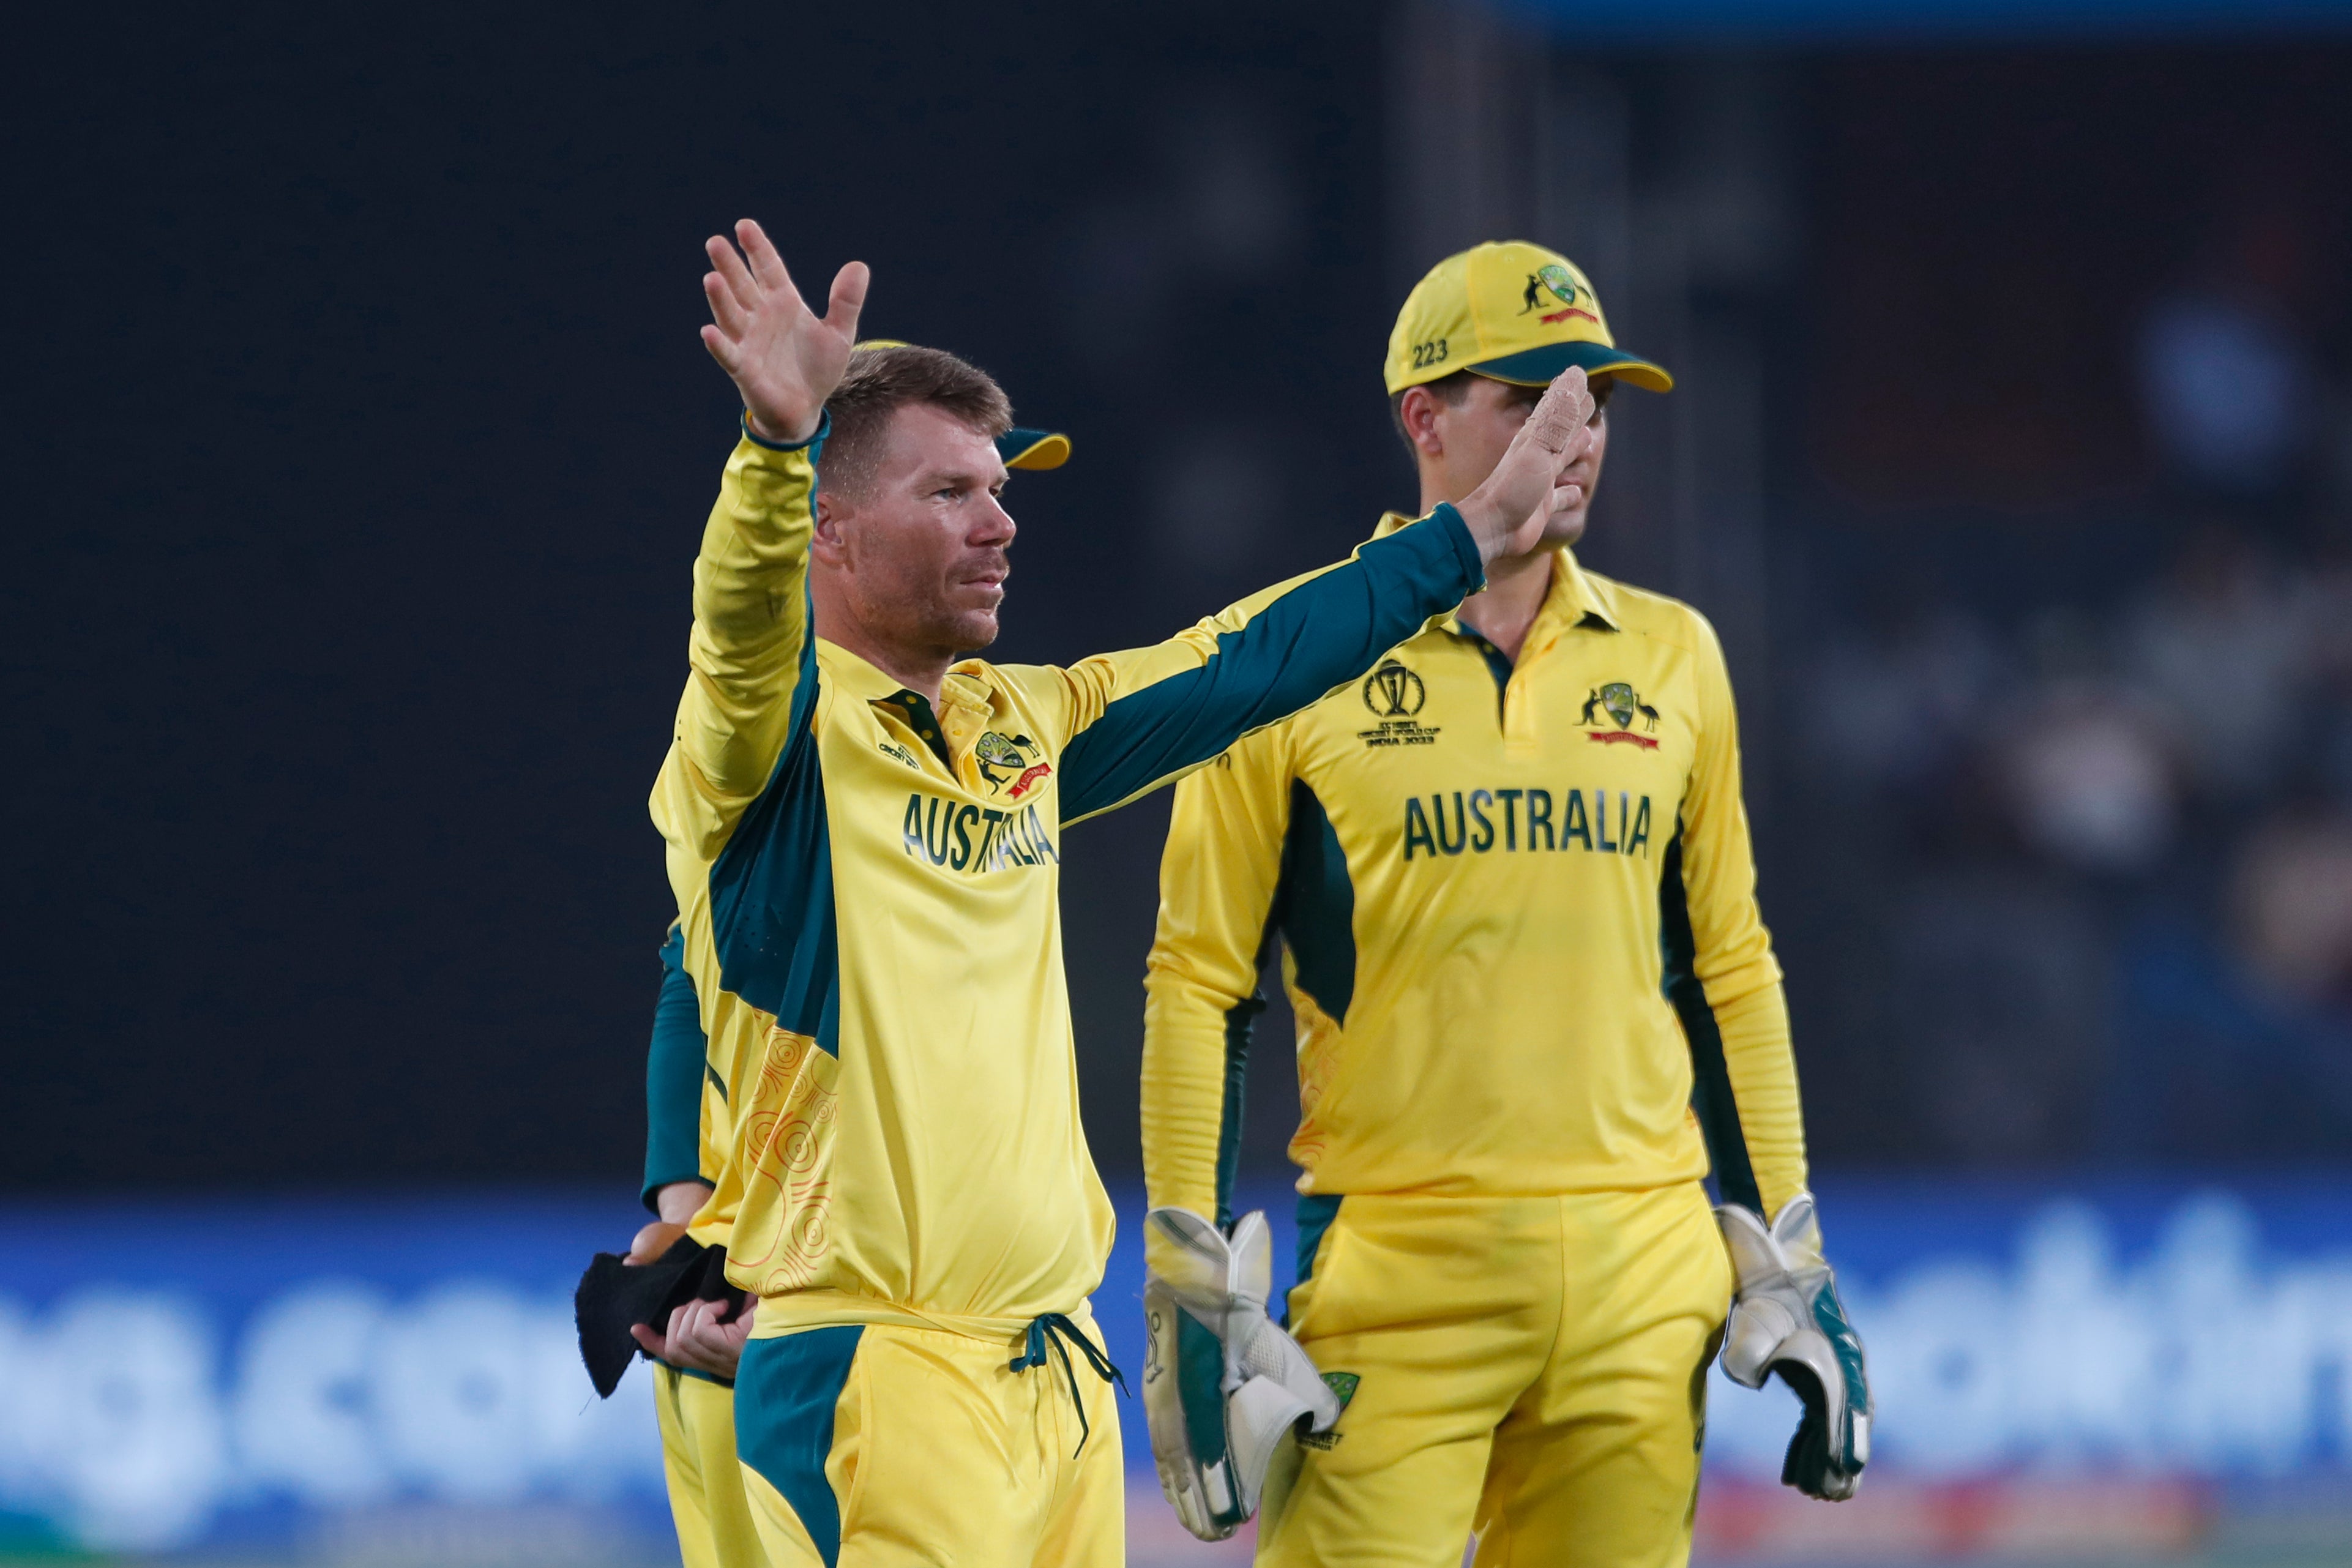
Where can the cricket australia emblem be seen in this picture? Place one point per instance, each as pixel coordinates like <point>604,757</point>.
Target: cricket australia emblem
<point>1011,766</point>
<point>1563,284</point>
<point>1619,704</point>
<point>1393,694</point>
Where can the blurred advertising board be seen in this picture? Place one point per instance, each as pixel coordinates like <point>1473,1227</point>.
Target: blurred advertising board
<point>364,1380</point>
<point>2061,1368</point>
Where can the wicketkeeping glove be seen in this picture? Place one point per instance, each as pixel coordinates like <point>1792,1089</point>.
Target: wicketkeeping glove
<point>1787,1318</point>
<point>1222,1385</point>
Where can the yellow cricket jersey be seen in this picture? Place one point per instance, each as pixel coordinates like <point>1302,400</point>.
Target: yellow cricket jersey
<point>867,891</point>
<point>1519,925</point>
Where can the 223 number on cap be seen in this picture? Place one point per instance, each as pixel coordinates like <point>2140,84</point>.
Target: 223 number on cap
<point>1429,354</point>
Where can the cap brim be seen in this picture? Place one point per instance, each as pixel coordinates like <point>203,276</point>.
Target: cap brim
<point>1538,367</point>
<point>1033,449</point>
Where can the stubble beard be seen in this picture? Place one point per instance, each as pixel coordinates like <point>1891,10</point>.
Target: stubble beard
<point>966,631</point>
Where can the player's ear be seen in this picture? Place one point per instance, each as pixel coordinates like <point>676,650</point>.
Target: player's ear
<point>1418,413</point>
<point>829,539</point>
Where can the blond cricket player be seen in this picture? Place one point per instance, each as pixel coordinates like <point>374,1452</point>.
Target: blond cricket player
<point>688,1133</point>
<point>1510,875</point>
<point>864,834</point>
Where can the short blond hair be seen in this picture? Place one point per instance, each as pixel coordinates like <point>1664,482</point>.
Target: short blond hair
<point>881,380</point>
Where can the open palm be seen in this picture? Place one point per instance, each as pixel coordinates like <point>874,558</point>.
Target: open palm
<point>784,359</point>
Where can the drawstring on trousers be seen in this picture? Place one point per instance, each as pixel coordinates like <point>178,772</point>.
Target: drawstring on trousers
<point>1056,1329</point>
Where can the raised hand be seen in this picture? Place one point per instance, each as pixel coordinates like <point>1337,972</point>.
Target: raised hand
<point>1507,513</point>
<point>784,359</point>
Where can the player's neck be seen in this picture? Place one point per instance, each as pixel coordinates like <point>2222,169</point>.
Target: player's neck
<point>1517,586</point>
<point>921,670</point>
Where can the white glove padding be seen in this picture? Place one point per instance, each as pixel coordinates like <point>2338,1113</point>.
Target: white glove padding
<point>1222,1385</point>
<point>1787,1318</point>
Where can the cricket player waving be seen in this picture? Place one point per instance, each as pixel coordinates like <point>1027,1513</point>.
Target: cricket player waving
<point>864,837</point>
<point>688,1136</point>
<point>1510,871</point>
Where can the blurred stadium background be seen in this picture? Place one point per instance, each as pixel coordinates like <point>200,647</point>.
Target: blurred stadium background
<point>358,438</point>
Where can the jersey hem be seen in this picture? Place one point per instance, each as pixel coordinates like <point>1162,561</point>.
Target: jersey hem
<point>1690,1171</point>
<point>798,1310</point>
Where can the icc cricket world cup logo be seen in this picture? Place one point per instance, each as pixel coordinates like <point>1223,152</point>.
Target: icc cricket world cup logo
<point>1392,691</point>
<point>1395,694</point>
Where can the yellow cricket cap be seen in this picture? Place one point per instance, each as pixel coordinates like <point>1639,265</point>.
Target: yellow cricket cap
<point>1512,311</point>
<point>1020,448</point>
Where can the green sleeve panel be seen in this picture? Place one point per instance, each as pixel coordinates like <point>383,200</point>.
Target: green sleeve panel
<point>674,1065</point>
<point>1157,712</point>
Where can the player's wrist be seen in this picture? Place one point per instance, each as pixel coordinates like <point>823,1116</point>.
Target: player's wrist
<point>777,431</point>
<point>680,1202</point>
<point>1490,530</point>
<point>756,432</point>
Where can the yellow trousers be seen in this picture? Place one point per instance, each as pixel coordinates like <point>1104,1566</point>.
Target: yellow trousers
<point>706,1483</point>
<point>1529,1369</point>
<point>874,1445</point>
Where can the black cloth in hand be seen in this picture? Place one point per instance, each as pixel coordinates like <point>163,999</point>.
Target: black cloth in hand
<point>614,1295</point>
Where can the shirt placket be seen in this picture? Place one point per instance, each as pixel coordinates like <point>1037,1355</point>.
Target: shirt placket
<point>1520,736</point>
<point>915,712</point>
<point>962,721</point>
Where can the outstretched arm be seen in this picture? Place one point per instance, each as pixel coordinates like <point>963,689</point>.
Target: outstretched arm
<point>752,652</point>
<point>1136,719</point>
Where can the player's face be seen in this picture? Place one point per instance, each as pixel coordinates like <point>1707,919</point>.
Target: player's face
<point>1478,432</point>
<point>922,562</point>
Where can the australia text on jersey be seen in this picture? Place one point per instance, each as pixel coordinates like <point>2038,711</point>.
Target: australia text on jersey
<point>1474,824</point>
<point>967,837</point>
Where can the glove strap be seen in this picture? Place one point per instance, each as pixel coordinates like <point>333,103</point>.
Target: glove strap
<point>1054,1329</point>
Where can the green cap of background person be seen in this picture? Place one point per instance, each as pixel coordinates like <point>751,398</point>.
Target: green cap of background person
<point>1019,447</point>
<point>1510,311</point>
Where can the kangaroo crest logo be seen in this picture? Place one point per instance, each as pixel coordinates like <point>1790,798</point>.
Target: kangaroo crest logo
<point>1016,758</point>
<point>1562,285</point>
<point>1620,702</point>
